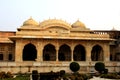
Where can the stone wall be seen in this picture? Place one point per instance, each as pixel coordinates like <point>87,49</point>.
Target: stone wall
<point>24,67</point>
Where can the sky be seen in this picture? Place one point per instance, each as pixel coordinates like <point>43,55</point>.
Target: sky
<point>95,14</point>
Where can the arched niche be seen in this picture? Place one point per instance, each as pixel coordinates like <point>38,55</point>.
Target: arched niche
<point>64,53</point>
<point>29,52</point>
<point>79,53</point>
<point>97,53</point>
<point>49,53</point>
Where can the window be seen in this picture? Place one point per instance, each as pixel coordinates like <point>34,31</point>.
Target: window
<point>10,57</point>
<point>1,56</point>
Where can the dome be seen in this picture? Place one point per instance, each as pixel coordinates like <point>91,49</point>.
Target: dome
<point>55,22</point>
<point>78,24</point>
<point>30,22</point>
<point>113,29</point>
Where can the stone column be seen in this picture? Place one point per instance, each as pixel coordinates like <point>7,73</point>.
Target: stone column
<point>57,54</point>
<point>13,58</point>
<point>72,49</point>
<point>5,57</point>
<point>88,57</point>
<point>106,53</point>
<point>57,49</point>
<point>38,52</point>
<point>88,53</point>
<point>18,51</point>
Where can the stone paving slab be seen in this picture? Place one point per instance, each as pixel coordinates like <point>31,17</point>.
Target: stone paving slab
<point>98,78</point>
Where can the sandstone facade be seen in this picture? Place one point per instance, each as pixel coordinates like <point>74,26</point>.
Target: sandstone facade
<point>53,44</point>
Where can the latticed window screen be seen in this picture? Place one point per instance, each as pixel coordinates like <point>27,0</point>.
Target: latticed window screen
<point>2,48</point>
<point>10,48</point>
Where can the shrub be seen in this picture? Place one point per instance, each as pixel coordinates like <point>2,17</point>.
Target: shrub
<point>35,75</point>
<point>9,75</point>
<point>62,73</point>
<point>110,76</point>
<point>74,66</point>
<point>100,67</point>
<point>105,71</point>
<point>5,75</point>
<point>118,73</point>
<point>2,74</point>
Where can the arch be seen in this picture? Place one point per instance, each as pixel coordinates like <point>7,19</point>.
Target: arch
<point>49,53</point>
<point>29,52</point>
<point>64,53</point>
<point>97,53</point>
<point>55,22</point>
<point>79,53</point>
<point>57,27</point>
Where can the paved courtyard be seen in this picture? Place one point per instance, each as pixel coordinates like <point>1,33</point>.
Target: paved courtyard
<point>97,78</point>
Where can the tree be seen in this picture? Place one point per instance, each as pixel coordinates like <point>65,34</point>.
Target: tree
<point>74,66</point>
<point>100,67</point>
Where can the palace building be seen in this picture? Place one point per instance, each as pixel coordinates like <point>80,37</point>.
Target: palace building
<point>53,44</point>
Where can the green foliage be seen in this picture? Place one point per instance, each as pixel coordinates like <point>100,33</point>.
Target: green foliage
<point>74,66</point>
<point>100,67</point>
<point>21,76</point>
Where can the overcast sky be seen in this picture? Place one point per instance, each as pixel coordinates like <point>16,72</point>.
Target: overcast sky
<point>95,14</point>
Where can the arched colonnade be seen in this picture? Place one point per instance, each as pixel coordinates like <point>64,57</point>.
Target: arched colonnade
<point>63,52</point>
